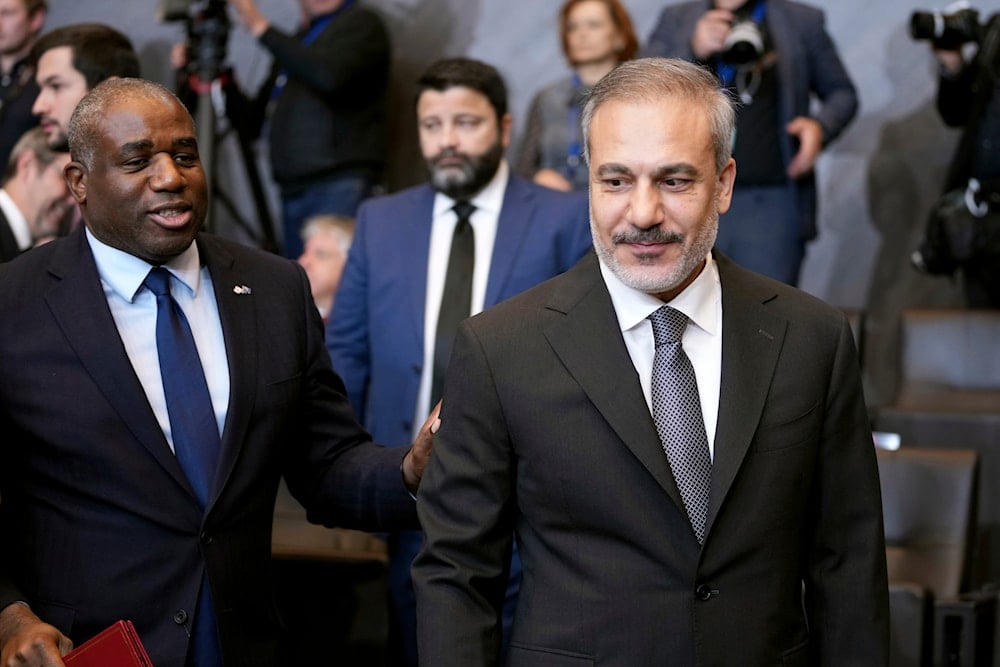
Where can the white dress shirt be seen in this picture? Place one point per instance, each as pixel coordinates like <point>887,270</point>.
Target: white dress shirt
<point>133,308</point>
<point>484,221</point>
<point>701,301</point>
<point>16,221</point>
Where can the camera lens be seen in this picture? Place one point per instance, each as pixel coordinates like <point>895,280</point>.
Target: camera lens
<point>743,44</point>
<point>922,25</point>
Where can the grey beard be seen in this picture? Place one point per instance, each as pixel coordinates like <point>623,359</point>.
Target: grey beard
<point>462,183</point>
<point>653,281</point>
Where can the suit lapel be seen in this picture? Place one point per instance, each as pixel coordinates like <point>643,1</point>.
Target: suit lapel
<point>80,308</point>
<point>588,341</point>
<point>516,215</point>
<point>751,342</point>
<point>415,233</point>
<point>238,315</point>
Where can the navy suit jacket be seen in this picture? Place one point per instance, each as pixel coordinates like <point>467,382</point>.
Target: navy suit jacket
<point>808,64</point>
<point>98,520</point>
<point>375,334</point>
<point>546,434</point>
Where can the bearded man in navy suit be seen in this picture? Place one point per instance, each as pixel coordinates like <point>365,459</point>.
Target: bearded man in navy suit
<point>384,336</point>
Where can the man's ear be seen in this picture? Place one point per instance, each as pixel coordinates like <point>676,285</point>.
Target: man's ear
<point>27,164</point>
<point>506,125</point>
<point>76,180</point>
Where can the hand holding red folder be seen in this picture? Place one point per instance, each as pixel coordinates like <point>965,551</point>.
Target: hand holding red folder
<point>117,646</point>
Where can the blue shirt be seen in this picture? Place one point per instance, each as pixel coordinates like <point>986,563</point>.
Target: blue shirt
<point>133,308</point>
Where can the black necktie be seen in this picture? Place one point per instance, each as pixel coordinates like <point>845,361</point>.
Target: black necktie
<point>195,433</point>
<point>456,300</point>
<point>677,413</point>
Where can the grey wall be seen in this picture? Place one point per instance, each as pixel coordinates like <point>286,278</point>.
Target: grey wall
<point>876,180</point>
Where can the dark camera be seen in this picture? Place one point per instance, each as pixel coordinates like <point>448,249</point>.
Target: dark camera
<point>946,31</point>
<point>207,31</point>
<point>744,43</point>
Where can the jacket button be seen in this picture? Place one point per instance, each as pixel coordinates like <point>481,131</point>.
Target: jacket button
<point>703,592</point>
<point>180,617</point>
<point>206,538</point>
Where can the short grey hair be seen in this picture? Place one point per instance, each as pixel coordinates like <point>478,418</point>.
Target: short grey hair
<point>341,227</point>
<point>85,123</point>
<point>652,79</point>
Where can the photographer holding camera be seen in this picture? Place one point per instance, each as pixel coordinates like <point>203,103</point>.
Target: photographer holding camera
<point>964,229</point>
<point>322,107</point>
<point>775,56</point>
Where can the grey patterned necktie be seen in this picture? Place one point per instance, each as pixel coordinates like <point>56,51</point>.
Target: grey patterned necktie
<point>677,413</point>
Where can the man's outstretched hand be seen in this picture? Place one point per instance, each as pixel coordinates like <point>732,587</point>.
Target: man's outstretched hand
<point>418,456</point>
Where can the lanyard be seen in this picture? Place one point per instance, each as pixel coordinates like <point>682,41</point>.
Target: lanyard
<point>315,28</point>
<point>574,152</point>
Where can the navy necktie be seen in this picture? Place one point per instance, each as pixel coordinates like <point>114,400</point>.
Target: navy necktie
<point>456,299</point>
<point>195,434</point>
<point>677,413</point>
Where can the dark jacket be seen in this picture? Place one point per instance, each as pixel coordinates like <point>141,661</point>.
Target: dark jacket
<point>330,116</point>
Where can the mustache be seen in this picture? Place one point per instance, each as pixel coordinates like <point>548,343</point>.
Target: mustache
<point>651,235</point>
<point>449,153</point>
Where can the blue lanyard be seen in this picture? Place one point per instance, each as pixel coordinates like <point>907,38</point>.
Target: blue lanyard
<point>726,71</point>
<point>574,152</point>
<point>315,28</point>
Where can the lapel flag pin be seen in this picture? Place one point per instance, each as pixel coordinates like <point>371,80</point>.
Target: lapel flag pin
<point>241,289</point>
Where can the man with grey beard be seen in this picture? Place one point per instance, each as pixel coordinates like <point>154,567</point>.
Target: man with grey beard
<point>427,257</point>
<point>679,446</point>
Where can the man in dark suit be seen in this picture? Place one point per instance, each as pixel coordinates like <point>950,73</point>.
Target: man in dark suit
<point>795,98</point>
<point>34,198</point>
<point>385,335</point>
<point>110,507</point>
<point>744,529</point>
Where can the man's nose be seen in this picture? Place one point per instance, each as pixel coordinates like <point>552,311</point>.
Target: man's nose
<point>41,103</point>
<point>645,206</point>
<point>165,174</point>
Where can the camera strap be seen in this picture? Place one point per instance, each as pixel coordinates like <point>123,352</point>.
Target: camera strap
<point>315,29</point>
<point>574,151</point>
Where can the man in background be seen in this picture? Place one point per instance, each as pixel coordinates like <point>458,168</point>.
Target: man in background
<point>20,23</point>
<point>322,108</point>
<point>34,195</point>
<point>795,96</point>
<point>427,257</point>
<point>327,240</point>
<point>70,62</point>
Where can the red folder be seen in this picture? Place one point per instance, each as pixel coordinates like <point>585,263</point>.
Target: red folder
<point>117,646</point>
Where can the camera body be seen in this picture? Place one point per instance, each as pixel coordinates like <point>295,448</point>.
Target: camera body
<point>744,43</point>
<point>946,31</point>
<point>207,32</point>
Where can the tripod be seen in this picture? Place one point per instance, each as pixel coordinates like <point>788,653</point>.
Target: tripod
<point>207,126</point>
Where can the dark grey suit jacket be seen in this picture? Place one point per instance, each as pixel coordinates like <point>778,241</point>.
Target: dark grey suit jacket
<point>99,521</point>
<point>546,432</point>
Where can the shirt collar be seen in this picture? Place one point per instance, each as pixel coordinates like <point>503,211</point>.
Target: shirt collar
<point>124,273</point>
<point>15,220</point>
<point>490,198</point>
<point>697,301</point>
